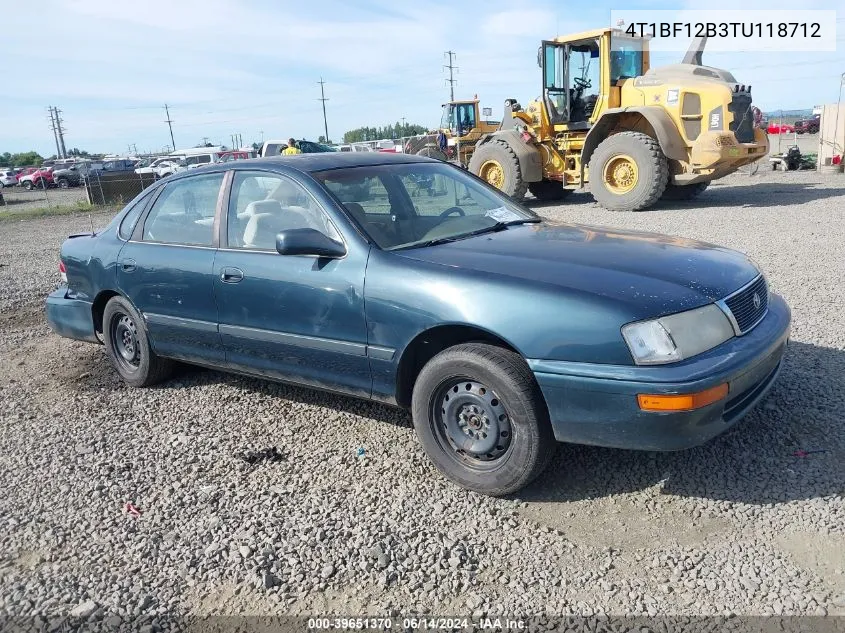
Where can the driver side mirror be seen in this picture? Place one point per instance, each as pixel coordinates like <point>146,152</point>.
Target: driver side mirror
<point>308,242</point>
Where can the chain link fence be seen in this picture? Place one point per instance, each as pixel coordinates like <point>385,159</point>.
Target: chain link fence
<point>96,189</point>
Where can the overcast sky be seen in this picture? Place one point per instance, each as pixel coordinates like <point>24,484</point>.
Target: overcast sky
<point>245,67</point>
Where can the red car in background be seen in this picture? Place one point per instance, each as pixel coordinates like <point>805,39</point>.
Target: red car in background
<point>40,178</point>
<point>780,128</point>
<point>25,171</point>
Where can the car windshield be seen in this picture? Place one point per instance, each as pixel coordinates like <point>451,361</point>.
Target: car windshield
<point>420,204</point>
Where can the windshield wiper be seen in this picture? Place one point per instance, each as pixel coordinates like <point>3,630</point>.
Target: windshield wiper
<point>493,228</point>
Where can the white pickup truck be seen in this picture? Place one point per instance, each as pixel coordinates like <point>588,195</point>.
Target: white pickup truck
<point>163,166</point>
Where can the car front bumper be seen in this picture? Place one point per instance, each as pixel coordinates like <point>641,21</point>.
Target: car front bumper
<point>70,317</point>
<point>597,404</point>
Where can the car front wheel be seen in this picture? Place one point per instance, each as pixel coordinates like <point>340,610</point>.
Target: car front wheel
<point>481,418</point>
<point>128,346</point>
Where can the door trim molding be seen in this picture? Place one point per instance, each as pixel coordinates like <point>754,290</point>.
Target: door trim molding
<point>376,352</point>
<point>191,324</point>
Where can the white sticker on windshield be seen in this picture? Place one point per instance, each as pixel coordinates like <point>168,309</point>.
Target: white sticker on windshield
<point>503,214</point>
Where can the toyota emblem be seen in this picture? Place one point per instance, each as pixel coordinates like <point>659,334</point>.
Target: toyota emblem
<point>757,301</point>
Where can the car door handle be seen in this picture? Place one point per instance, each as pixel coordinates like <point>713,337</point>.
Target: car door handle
<point>128,265</point>
<point>231,275</point>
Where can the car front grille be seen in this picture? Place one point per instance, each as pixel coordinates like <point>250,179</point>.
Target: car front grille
<point>743,124</point>
<point>748,306</point>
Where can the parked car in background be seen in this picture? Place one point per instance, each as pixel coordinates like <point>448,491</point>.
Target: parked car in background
<point>808,126</point>
<point>354,147</point>
<point>8,177</point>
<point>20,172</point>
<point>233,155</point>
<point>41,178</point>
<point>501,332</point>
<point>155,166</point>
<point>780,128</point>
<point>67,176</point>
<point>119,165</point>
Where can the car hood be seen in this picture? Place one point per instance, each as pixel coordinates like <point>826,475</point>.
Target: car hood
<point>652,274</point>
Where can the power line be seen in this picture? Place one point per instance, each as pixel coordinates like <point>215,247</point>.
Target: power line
<point>169,122</point>
<point>452,68</point>
<point>323,100</point>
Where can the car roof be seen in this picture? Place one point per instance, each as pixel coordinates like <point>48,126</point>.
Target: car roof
<point>310,163</point>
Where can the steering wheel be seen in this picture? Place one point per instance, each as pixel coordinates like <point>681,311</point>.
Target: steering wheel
<point>582,83</point>
<point>452,210</point>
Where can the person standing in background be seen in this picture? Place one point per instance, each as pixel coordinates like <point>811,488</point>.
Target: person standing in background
<point>291,148</point>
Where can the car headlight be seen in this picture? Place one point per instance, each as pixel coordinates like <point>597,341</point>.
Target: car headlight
<point>675,337</point>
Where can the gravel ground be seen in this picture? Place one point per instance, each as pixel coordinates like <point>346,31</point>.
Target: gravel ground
<point>19,199</point>
<point>741,525</point>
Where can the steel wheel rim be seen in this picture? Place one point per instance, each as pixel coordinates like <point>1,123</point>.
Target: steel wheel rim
<point>124,336</point>
<point>621,174</point>
<point>491,171</point>
<point>471,423</point>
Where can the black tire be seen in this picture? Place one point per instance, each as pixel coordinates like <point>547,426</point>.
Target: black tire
<point>28,185</point>
<point>432,152</point>
<point>41,183</point>
<point>679,193</point>
<point>651,165</point>
<point>548,190</point>
<point>500,152</point>
<point>135,361</point>
<point>515,413</point>
<point>63,183</point>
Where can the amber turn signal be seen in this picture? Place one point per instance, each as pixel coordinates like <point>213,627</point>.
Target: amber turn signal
<point>683,401</point>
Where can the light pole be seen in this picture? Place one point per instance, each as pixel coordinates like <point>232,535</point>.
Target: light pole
<point>838,108</point>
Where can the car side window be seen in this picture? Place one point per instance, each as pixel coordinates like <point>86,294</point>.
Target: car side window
<point>124,231</point>
<point>184,212</point>
<point>262,205</point>
<point>361,193</point>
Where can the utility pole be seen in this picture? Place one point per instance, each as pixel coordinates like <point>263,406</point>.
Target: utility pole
<point>169,122</point>
<point>452,68</point>
<point>55,133</point>
<point>63,152</point>
<point>323,99</point>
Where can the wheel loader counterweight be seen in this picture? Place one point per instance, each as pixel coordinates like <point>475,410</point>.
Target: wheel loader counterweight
<point>633,134</point>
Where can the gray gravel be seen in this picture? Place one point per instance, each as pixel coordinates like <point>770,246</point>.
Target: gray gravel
<point>739,526</point>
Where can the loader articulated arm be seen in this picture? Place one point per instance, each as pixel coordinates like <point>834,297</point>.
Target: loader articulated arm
<point>695,51</point>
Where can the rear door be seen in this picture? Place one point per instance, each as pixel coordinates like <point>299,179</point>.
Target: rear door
<point>166,269</point>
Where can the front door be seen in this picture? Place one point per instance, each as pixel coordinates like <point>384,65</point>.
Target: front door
<point>295,318</point>
<point>166,270</point>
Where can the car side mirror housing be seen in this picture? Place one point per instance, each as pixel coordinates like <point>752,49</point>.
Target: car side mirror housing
<point>308,242</point>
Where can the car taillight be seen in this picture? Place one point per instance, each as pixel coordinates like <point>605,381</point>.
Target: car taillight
<point>63,271</point>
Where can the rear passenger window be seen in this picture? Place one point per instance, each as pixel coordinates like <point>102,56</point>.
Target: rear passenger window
<point>184,212</point>
<point>263,204</point>
<point>128,221</point>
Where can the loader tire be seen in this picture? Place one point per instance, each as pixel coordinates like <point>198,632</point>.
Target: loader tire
<point>628,172</point>
<point>432,152</point>
<point>496,163</point>
<point>548,190</point>
<point>678,193</point>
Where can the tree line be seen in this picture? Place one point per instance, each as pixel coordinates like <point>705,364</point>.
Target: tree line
<point>397,130</point>
<point>26,159</point>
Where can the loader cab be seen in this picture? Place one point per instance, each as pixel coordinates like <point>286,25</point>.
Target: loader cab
<point>571,80</point>
<point>460,117</point>
<point>581,73</point>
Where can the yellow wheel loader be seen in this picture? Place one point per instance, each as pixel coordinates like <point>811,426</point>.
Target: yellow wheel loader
<point>634,134</point>
<point>462,125</point>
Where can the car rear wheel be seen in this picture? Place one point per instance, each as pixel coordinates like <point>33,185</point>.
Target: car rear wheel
<point>481,418</point>
<point>128,346</point>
